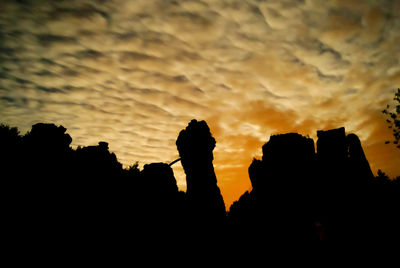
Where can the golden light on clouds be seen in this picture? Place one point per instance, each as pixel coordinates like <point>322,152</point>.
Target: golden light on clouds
<point>134,73</point>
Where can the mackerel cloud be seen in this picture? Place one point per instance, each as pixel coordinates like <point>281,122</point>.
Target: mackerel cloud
<point>134,73</point>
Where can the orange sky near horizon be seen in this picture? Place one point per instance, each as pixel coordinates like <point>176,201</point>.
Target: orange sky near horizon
<point>135,72</point>
<point>232,170</point>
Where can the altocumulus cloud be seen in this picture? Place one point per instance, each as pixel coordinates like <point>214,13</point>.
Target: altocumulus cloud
<point>135,72</point>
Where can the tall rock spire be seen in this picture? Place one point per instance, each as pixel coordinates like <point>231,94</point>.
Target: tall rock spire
<point>195,145</point>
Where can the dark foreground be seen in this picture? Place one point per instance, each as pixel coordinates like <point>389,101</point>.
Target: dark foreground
<point>60,199</point>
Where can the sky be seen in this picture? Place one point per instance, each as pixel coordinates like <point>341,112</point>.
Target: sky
<point>134,73</point>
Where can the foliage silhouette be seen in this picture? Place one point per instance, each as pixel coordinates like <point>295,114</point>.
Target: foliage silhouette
<point>58,195</point>
<point>393,119</point>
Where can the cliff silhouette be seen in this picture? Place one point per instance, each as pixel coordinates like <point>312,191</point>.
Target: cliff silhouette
<point>58,195</point>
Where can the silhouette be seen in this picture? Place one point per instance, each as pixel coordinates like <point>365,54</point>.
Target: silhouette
<point>393,119</point>
<point>280,206</point>
<point>300,195</point>
<point>10,148</point>
<point>83,197</point>
<point>195,145</point>
<point>163,194</point>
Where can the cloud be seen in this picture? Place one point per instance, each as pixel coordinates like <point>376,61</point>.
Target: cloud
<point>135,72</point>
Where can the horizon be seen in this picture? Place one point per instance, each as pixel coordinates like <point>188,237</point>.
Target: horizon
<point>179,174</point>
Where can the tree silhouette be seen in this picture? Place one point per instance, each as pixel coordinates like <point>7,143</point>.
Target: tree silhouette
<point>393,119</point>
<point>10,146</point>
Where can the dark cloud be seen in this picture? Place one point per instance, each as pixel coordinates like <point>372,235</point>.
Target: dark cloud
<point>47,61</point>
<point>269,94</point>
<point>329,78</point>
<point>49,39</point>
<point>8,99</point>
<point>127,56</point>
<point>20,80</point>
<point>224,87</point>
<point>44,73</point>
<point>323,48</point>
<point>79,10</point>
<point>180,78</point>
<point>88,54</point>
<point>351,91</point>
<point>49,89</point>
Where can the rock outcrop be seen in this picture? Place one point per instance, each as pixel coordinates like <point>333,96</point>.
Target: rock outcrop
<point>195,145</point>
<point>298,191</point>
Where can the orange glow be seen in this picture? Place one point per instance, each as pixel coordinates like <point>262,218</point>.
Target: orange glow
<point>232,168</point>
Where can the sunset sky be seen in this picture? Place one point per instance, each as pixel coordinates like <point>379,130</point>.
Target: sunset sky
<point>134,73</point>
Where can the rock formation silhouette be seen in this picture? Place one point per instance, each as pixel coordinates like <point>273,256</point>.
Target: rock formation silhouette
<point>300,195</point>
<point>195,145</point>
<point>280,206</point>
<point>57,195</point>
